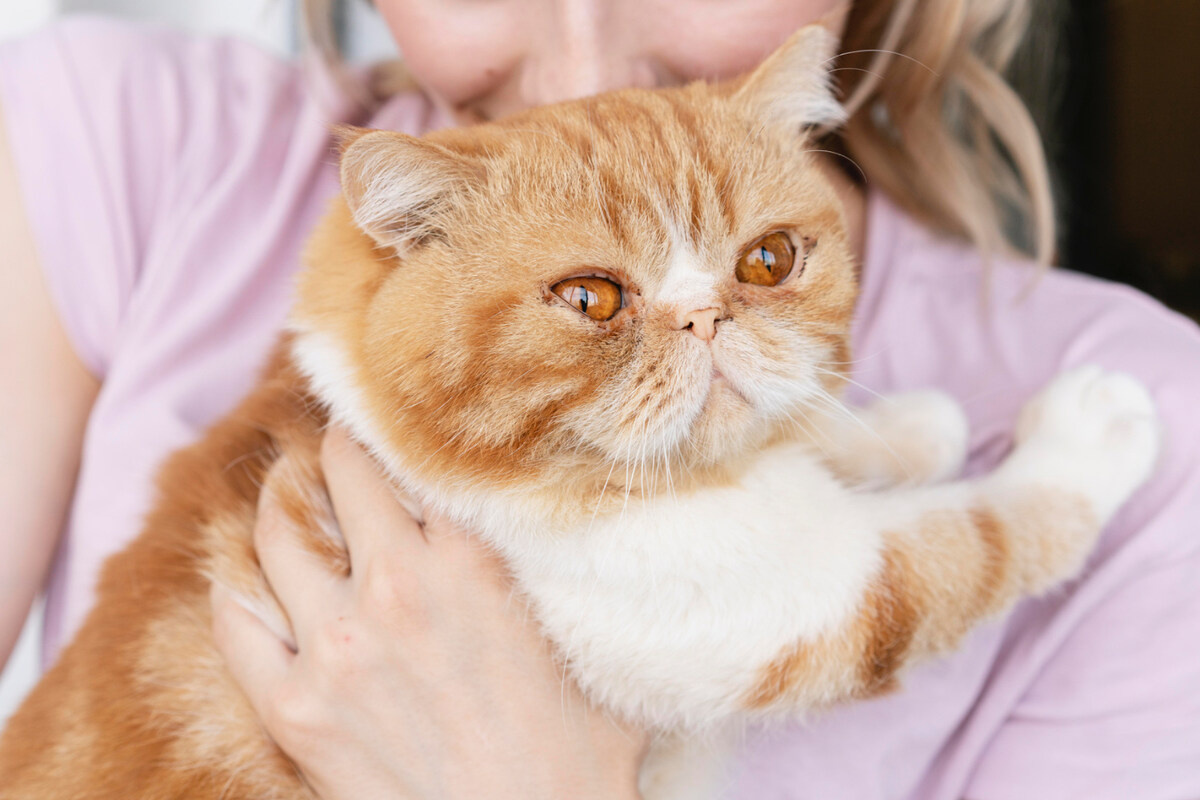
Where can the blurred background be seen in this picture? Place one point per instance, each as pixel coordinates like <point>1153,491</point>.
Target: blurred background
<point>1124,132</point>
<point>1114,84</point>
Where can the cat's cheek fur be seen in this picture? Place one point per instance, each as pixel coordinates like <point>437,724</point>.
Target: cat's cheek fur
<point>323,361</point>
<point>334,378</point>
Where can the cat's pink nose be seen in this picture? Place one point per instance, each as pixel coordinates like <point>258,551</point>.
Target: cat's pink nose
<point>702,323</point>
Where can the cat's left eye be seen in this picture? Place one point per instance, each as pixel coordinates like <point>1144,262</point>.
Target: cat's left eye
<point>768,261</point>
<point>598,298</point>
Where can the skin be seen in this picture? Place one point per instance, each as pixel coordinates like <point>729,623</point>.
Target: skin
<point>41,441</point>
<point>423,678</point>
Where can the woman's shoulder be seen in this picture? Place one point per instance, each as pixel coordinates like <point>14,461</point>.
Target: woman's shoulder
<point>151,86</point>
<point>146,74</point>
<point>114,128</point>
<point>142,152</point>
<point>1011,309</point>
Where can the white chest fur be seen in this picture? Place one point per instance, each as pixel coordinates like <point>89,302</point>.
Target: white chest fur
<point>669,609</point>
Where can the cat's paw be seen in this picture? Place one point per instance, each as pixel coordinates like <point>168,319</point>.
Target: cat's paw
<point>1091,431</point>
<point>922,438</point>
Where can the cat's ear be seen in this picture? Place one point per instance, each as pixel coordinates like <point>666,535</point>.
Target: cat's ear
<point>793,86</point>
<point>398,186</point>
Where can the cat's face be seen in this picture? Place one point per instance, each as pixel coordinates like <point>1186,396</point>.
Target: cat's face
<point>640,280</point>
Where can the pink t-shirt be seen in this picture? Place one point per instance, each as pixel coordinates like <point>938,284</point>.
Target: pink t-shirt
<point>170,181</point>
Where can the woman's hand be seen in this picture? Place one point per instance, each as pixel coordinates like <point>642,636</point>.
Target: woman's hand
<point>420,675</point>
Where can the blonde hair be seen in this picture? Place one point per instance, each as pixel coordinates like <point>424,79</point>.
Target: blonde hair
<point>936,126</point>
<point>933,123</point>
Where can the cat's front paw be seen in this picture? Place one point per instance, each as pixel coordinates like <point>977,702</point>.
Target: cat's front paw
<point>922,438</point>
<point>1091,431</point>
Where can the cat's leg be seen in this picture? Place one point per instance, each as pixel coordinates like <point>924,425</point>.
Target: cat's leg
<point>141,704</point>
<point>907,439</point>
<point>295,487</point>
<point>954,555</point>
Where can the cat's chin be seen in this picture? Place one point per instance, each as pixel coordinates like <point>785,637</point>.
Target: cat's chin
<point>722,385</point>
<point>727,427</point>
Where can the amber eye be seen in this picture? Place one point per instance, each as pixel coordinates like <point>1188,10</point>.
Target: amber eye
<point>599,298</point>
<point>768,261</point>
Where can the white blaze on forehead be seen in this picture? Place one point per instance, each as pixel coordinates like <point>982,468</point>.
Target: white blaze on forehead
<point>687,285</point>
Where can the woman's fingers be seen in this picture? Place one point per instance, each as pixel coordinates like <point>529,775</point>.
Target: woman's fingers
<point>295,539</point>
<point>256,657</point>
<point>377,528</point>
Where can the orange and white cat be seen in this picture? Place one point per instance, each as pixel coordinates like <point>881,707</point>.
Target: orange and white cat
<point>606,335</point>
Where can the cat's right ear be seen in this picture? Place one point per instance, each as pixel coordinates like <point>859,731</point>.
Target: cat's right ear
<point>792,87</point>
<point>398,186</point>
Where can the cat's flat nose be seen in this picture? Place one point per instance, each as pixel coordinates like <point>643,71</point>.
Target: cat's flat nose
<point>702,323</point>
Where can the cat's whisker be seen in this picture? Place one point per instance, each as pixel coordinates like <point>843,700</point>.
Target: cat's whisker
<point>812,433</point>
<point>262,453</point>
<point>603,489</point>
<point>846,413</point>
<point>829,403</point>
<point>670,481</point>
<point>850,381</point>
<point>895,53</point>
<point>842,156</point>
<point>854,361</point>
<point>863,70</point>
<point>798,420</point>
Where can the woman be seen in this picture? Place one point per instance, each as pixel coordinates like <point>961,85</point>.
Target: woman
<point>155,190</point>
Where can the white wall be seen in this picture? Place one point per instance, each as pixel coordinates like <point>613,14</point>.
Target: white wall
<point>21,16</point>
<point>267,22</point>
<point>270,23</point>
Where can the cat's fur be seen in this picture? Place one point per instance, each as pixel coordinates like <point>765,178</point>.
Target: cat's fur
<point>691,545</point>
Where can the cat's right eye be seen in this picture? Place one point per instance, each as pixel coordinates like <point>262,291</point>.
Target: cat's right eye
<point>598,298</point>
<point>768,261</point>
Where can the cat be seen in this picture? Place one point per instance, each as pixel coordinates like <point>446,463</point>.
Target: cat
<point>600,334</point>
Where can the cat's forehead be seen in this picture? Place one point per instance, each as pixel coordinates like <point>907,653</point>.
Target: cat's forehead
<point>670,178</point>
<point>647,151</point>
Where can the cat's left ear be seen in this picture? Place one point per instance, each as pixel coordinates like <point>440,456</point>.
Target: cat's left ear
<point>399,187</point>
<point>793,86</point>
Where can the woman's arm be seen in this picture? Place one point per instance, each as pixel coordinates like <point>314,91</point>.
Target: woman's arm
<point>45,395</point>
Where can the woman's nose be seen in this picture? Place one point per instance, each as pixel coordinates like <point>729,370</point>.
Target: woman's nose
<point>581,50</point>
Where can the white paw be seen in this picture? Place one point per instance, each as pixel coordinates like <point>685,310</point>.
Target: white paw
<point>1091,431</point>
<point>926,433</point>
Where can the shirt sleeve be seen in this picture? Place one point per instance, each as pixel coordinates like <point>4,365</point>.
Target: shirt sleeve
<point>1113,710</point>
<point>114,128</point>
<point>1116,713</point>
